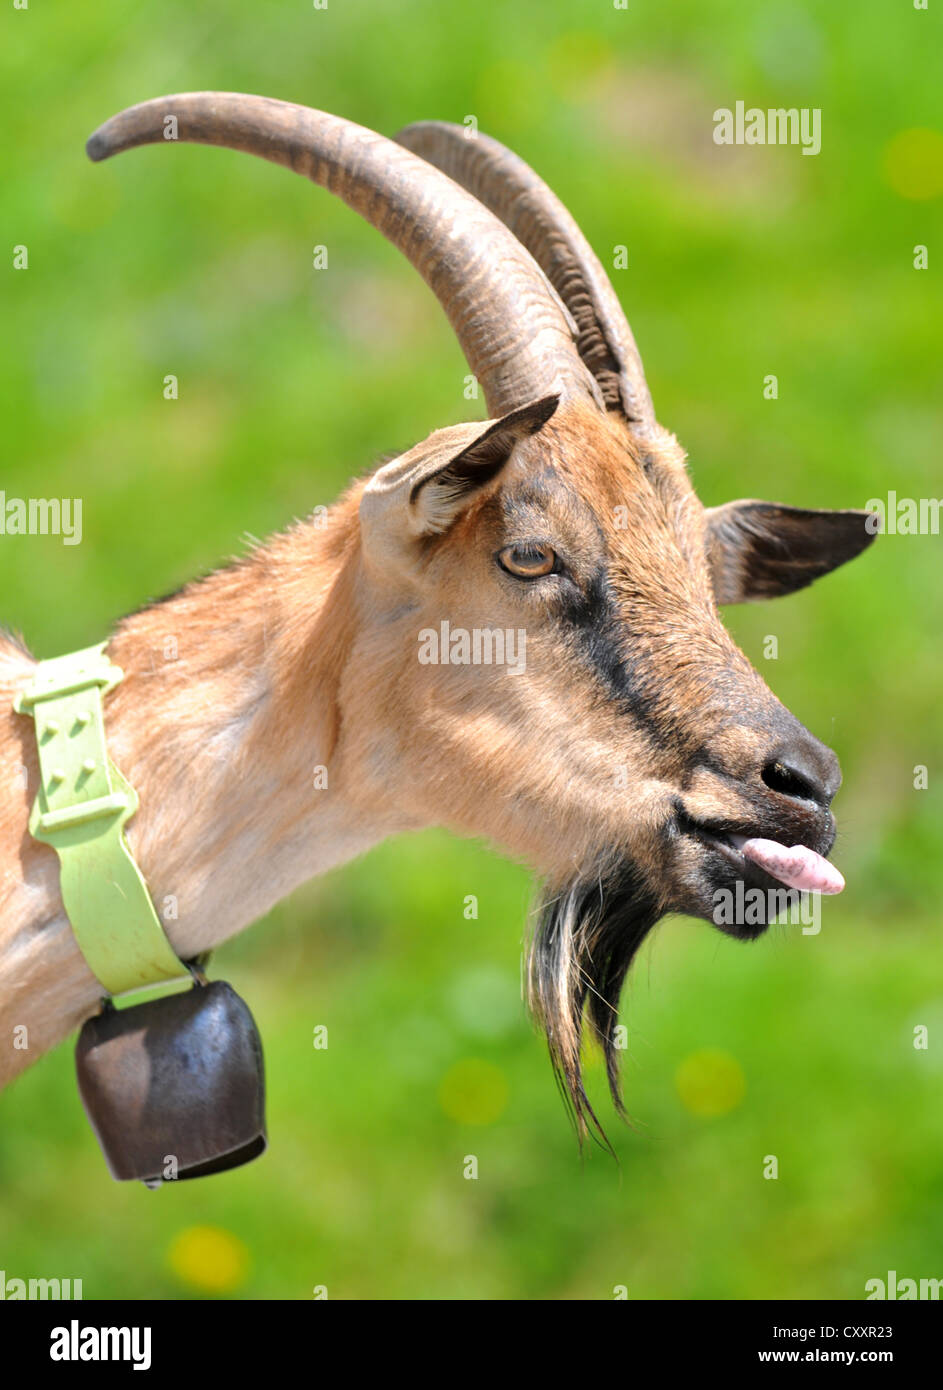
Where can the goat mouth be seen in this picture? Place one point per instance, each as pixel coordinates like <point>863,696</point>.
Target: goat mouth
<point>764,862</point>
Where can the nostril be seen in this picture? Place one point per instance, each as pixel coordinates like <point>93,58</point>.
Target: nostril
<point>800,783</point>
<point>803,769</point>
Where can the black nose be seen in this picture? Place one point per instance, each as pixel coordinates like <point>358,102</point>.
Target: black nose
<point>805,770</point>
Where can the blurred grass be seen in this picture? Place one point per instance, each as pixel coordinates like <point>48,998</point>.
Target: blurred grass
<point>742,262</point>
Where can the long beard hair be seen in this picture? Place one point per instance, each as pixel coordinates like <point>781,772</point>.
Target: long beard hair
<point>585,939</point>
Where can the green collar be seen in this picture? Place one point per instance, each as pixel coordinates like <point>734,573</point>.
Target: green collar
<point>81,809</point>
<point>174,1087</point>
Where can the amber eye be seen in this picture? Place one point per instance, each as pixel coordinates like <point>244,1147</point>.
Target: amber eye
<point>528,561</point>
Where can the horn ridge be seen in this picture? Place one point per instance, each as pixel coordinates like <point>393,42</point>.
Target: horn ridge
<point>513,192</point>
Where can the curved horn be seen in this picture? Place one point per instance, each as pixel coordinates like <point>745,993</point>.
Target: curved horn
<point>513,192</point>
<point>513,333</point>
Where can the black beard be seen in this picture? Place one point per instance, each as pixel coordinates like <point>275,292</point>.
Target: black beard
<point>586,938</point>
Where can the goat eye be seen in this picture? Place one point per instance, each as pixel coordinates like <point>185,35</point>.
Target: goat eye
<point>528,561</point>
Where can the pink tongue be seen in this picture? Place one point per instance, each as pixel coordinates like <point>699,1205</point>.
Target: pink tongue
<point>797,867</point>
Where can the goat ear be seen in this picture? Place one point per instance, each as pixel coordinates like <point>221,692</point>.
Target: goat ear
<point>446,486</point>
<point>421,493</point>
<point>760,550</point>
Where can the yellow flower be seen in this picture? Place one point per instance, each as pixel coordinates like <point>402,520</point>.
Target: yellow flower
<point>209,1258</point>
<point>710,1082</point>
<point>913,163</point>
<point>473,1092</point>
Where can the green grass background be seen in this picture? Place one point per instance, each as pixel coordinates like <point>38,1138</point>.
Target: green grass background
<point>742,262</point>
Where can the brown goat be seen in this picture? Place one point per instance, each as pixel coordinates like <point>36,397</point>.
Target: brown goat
<point>629,753</point>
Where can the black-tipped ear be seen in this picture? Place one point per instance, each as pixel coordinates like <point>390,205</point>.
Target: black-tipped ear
<point>760,550</point>
<point>443,491</point>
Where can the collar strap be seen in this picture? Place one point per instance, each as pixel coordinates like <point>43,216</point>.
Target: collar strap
<point>81,809</point>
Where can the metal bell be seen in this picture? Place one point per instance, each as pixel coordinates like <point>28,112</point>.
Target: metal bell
<point>174,1088</point>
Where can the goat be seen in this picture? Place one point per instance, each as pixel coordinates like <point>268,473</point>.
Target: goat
<point>638,763</point>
